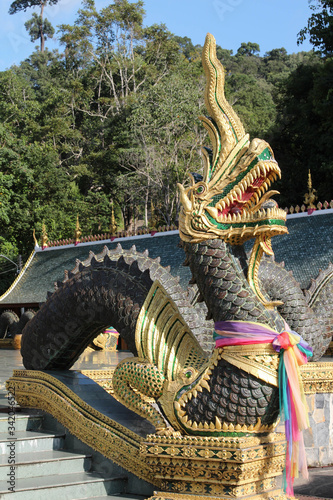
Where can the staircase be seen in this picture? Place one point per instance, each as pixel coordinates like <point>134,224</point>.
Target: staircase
<point>49,466</point>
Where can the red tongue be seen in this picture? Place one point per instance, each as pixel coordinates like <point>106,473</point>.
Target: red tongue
<point>237,206</point>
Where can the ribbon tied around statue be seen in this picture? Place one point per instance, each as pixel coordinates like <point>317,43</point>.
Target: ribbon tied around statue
<point>294,352</point>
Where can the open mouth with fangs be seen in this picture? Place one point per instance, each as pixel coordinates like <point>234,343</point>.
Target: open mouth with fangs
<point>244,201</point>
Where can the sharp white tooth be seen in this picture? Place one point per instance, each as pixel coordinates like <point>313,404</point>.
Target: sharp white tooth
<point>258,171</point>
<point>184,419</point>
<point>213,212</point>
<point>194,425</point>
<point>212,426</point>
<point>206,376</point>
<point>218,423</point>
<point>230,232</point>
<point>189,395</point>
<point>204,384</point>
<point>251,178</point>
<point>177,405</point>
<point>200,426</point>
<point>195,393</point>
<point>206,425</point>
<point>239,217</point>
<point>268,182</point>
<point>199,388</point>
<point>234,217</point>
<point>222,203</point>
<point>263,168</point>
<point>229,217</point>
<point>239,192</point>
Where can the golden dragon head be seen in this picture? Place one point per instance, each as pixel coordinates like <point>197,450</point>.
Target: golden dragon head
<point>228,201</point>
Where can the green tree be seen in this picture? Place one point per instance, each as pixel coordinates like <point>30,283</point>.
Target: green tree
<point>168,137</point>
<point>252,99</point>
<point>37,26</point>
<point>303,130</point>
<point>248,49</point>
<point>303,138</point>
<point>320,27</point>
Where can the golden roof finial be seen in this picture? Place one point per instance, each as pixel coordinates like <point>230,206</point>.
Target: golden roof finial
<point>77,232</point>
<point>45,237</point>
<point>310,197</point>
<point>309,180</point>
<point>113,224</point>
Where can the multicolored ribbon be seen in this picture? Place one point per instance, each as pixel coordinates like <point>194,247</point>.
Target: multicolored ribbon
<point>294,352</point>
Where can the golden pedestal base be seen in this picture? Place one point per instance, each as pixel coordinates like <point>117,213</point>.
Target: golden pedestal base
<point>199,468</point>
<point>272,495</point>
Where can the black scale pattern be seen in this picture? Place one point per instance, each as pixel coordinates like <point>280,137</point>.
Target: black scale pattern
<point>235,397</point>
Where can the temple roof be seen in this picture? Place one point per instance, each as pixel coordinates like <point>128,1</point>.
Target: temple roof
<point>47,266</point>
<point>305,250</point>
<point>308,247</point>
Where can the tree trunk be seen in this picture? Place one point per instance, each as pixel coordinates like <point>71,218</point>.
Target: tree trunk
<point>42,38</point>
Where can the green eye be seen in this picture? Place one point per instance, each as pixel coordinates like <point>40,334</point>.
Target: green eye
<point>200,189</point>
<point>188,374</point>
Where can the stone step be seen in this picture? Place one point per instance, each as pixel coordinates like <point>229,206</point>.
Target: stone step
<point>45,463</point>
<point>29,441</point>
<point>4,404</point>
<point>20,422</point>
<point>65,487</point>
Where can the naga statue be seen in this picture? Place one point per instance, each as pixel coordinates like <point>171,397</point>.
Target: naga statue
<point>175,379</point>
<point>11,324</point>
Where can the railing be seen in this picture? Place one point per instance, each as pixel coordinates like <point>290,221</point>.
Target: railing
<point>111,237</point>
<point>298,209</point>
<point>144,230</point>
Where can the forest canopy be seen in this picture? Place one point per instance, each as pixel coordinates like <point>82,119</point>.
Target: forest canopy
<point>111,119</point>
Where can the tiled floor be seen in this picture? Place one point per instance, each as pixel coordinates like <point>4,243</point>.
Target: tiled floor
<point>320,484</point>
